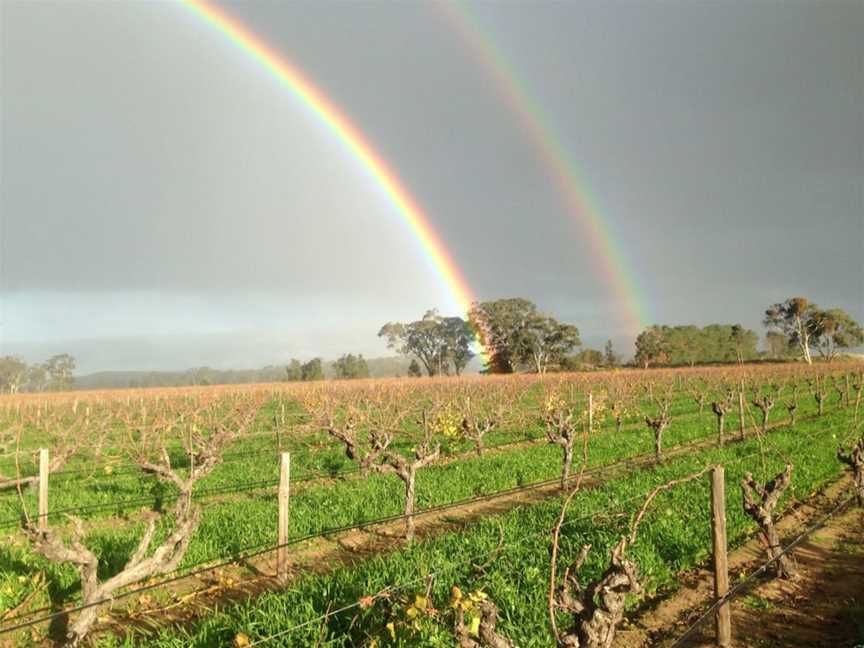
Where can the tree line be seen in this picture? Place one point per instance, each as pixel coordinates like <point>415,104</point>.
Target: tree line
<point>517,337</point>
<point>55,374</point>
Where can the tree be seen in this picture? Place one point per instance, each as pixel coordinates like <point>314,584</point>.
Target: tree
<point>776,345</point>
<point>790,317</point>
<point>59,369</point>
<point>683,344</point>
<point>13,373</point>
<point>458,336</point>
<point>500,325</point>
<point>350,367</point>
<point>544,340</point>
<point>414,368</point>
<point>312,370</point>
<point>610,358</point>
<point>833,329</point>
<point>744,342</point>
<point>294,370</point>
<point>515,335</point>
<point>36,378</point>
<point>434,340</point>
<point>650,347</point>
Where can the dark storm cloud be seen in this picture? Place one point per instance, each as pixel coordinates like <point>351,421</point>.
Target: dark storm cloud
<point>143,154</point>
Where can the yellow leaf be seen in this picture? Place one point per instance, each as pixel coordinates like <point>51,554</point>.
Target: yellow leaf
<point>391,628</point>
<point>241,640</point>
<point>420,602</point>
<point>474,629</point>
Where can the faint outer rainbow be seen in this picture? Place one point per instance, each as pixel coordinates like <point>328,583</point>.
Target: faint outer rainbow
<point>610,262</point>
<point>348,134</point>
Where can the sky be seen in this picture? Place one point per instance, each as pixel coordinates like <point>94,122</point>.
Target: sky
<point>165,203</point>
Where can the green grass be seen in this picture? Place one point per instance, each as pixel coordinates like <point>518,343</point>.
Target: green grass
<point>674,537</point>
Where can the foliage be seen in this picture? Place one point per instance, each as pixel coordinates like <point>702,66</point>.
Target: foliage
<point>438,342</point>
<point>790,318</point>
<point>516,336</point>
<point>833,329</point>
<point>350,366</point>
<point>691,345</point>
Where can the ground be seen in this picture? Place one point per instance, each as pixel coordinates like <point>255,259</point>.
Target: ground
<point>823,608</point>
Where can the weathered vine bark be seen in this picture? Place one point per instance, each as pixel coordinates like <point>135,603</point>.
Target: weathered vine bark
<point>476,427</point>
<point>658,425</point>
<point>486,634</point>
<point>598,608</point>
<point>855,460</point>
<point>819,394</point>
<point>204,456</point>
<point>63,450</point>
<point>765,405</point>
<point>720,408</point>
<point>859,390</point>
<point>406,470</point>
<point>759,503</point>
<point>561,430</point>
<point>377,457</point>
<point>791,407</point>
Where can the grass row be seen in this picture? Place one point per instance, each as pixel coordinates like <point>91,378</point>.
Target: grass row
<point>675,536</point>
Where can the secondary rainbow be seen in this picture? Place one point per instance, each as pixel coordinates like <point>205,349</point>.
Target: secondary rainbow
<point>609,259</point>
<point>350,137</point>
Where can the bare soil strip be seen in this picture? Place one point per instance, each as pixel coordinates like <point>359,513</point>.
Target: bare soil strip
<point>823,607</point>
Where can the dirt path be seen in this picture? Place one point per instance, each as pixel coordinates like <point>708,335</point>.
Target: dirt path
<point>824,607</point>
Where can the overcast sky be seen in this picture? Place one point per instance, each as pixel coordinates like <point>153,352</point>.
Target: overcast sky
<point>166,203</point>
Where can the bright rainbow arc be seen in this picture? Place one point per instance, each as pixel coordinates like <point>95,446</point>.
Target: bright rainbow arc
<point>351,137</point>
<point>608,257</point>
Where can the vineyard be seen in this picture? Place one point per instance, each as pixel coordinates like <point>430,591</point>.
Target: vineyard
<point>480,511</point>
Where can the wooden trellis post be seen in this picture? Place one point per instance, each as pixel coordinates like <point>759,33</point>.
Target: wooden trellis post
<point>43,489</point>
<point>723,617</point>
<point>284,491</point>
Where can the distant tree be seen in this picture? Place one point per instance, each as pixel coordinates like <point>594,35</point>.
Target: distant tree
<point>790,317</point>
<point>744,342</point>
<point>587,357</point>
<point>458,336</point>
<point>500,327</point>
<point>294,370</point>
<point>434,340</point>
<point>833,329</point>
<point>414,368</point>
<point>59,369</point>
<point>650,347</point>
<point>545,340</point>
<point>350,366</point>
<point>13,374</point>
<point>515,335</point>
<point>37,378</point>
<point>610,358</point>
<point>683,344</point>
<point>776,345</point>
<point>312,370</point>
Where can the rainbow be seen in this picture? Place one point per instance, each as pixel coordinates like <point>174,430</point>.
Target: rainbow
<point>351,138</point>
<point>611,265</point>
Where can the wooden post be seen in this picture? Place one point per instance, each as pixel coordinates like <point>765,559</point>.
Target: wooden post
<point>284,490</point>
<point>43,489</point>
<point>741,411</point>
<point>590,412</point>
<point>721,569</point>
